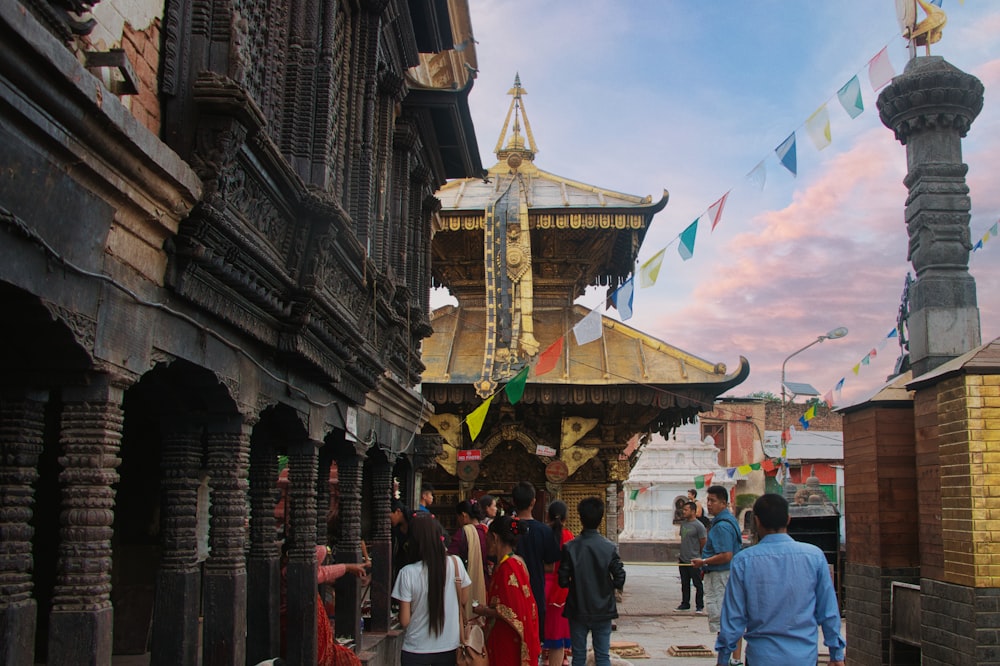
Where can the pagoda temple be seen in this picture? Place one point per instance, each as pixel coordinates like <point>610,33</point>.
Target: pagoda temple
<point>516,249</point>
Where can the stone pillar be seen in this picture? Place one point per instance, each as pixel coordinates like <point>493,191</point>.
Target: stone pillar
<point>80,627</point>
<point>225,578</point>
<point>930,107</point>
<point>350,475</point>
<point>264,560</point>
<point>178,582</point>
<point>300,572</point>
<point>22,421</point>
<point>611,514</point>
<point>380,548</point>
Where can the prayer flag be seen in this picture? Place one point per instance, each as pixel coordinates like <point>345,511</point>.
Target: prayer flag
<point>804,422</point>
<point>767,465</point>
<point>866,360</point>
<point>649,271</point>
<point>780,475</point>
<point>708,478</point>
<point>786,154</point>
<point>755,466</point>
<point>880,71</point>
<point>993,229</point>
<point>547,359</point>
<point>818,128</point>
<point>633,494</point>
<point>589,328</point>
<point>699,481</point>
<point>977,246</point>
<point>758,176</point>
<point>715,210</point>
<point>840,385</point>
<point>828,398</point>
<point>850,97</point>
<point>810,413</point>
<point>686,247</point>
<point>937,3</point>
<point>743,469</point>
<point>730,472</point>
<point>856,368</point>
<point>515,387</point>
<point>786,435</point>
<point>476,418</point>
<point>892,334</point>
<point>622,298</point>
<point>986,236</point>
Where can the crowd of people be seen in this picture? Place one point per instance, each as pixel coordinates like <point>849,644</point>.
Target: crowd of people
<point>537,591</point>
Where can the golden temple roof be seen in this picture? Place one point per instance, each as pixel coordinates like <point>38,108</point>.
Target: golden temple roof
<point>622,356</point>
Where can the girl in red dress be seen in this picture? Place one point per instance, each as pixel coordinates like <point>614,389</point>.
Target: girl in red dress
<point>556,626</point>
<point>512,613</point>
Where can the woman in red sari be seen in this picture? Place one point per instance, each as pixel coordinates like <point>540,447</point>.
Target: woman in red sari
<point>512,613</point>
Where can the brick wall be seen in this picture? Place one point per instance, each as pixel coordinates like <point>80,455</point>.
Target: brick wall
<point>925,419</point>
<point>867,602</point>
<point>142,47</point>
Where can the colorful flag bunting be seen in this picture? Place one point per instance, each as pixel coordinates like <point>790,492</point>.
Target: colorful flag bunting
<point>715,210</point>
<point>786,154</point>
<point>768,465</point>
<point>589,328</point>
<point>786,435</point>
<point>744,469</point>
<point>758,176</point>
<point>977,246</point>
<point>873,353</point>
<point>993,229</point>
<point>880,70</point>
<point>632,495</point>
<point>850,97</point>
<point>828,399</point>
<point>840,386</point>
<point>476,418</point>
<point>699,481</point>
<point>893,334</point>
<point>649,271</point>
<point>730,472</point>
<point>810,413</point>
<point>818,128</point>
<point>755,466</point>
<point>622,298</point>
<point>515,387</point>
<point>856,368</point>
<point>866,360</point>
<point>686,247</point>
<point>804,422</point>
<point>547,359</point>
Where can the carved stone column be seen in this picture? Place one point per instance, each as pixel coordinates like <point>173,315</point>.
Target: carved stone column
<point>225,579</point>
<point>380,548</point>
<point>930,107</point>
<point>22,421</point>
<point>178,594</point>
<point>300,574</point>
<point>264,562</point>
<point>611,514</point>
<point>80,627</point>
<point>350,475</point>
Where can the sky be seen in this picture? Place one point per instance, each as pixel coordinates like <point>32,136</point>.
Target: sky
<point>690,96</point>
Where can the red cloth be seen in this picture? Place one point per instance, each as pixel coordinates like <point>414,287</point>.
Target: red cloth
<point>513,637</point>
<point>556,626</point>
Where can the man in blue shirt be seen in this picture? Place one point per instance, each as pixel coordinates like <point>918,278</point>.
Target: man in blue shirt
<point>724,540</point>
<point>779,592</point>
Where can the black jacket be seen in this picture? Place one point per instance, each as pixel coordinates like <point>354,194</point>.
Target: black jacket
<point>592,570</point>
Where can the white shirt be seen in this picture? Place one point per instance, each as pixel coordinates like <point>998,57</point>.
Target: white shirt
<point>411,586</point>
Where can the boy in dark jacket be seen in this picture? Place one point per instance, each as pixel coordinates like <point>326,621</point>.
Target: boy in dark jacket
<point>592,570</point>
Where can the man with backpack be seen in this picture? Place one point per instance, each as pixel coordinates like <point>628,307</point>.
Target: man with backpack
<point>725,539</point>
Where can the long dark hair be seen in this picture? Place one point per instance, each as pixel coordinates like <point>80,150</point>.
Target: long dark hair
<point>507,529</point>
<point>557,516</point>
<point>471,508</point>
<point>426,534</point>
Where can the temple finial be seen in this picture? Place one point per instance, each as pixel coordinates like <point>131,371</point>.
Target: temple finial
<point>515,144</point>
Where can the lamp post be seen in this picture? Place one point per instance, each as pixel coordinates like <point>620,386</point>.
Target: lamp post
<point>835,334</point>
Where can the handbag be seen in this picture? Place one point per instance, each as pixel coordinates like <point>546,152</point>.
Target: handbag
<point>471,650</point>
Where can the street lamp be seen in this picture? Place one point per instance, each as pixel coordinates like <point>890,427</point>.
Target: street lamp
<point>835,334</point>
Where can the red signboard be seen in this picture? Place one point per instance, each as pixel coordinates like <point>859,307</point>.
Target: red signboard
<point>469,455</point>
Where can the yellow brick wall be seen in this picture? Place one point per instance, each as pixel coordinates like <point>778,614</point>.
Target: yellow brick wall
<point>969,439</point>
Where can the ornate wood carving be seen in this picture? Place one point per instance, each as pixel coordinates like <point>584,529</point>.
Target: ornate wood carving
<point>21,433</point>
<point>91,439</point>
<point>228,463</point>
<point>180,468</point>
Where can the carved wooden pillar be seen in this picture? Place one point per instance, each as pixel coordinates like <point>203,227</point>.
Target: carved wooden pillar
<point>380,548</point>
<point>264,562</point>
<point>350,475</point>
<point>175,614</point>
<point>225,579</point>
<point>80,627</point>
<point>300,573</point>
<point>21,425</point>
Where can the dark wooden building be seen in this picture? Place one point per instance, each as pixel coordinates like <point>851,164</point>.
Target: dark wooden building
<point>215,225</point>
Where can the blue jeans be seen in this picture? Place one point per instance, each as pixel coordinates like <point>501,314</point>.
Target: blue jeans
<point>600,633</point>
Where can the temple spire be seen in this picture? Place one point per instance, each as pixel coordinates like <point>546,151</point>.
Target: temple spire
<point>515,145</point>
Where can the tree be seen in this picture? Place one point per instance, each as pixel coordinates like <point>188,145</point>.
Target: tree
<point>766,396</point>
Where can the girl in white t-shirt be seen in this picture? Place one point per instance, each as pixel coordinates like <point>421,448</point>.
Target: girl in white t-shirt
<point>428,601</point>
